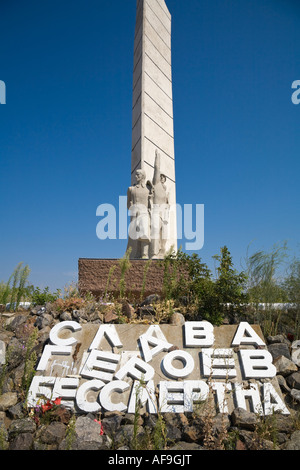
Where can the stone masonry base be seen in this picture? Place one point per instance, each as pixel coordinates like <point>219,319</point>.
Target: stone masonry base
<point>98,276</point>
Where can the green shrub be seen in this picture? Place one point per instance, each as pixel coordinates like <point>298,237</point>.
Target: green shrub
<point>41,297</point>
<point>188,280</point>
<point>262,270</point>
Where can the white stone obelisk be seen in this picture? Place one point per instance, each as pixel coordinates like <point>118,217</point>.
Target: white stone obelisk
<point>152,112</point>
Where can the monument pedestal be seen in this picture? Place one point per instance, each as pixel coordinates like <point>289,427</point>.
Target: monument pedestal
<point>97,276</point>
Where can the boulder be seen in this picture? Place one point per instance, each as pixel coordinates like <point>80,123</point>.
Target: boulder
<point>23,441</point>
<point>294,442</point>
<point>110,317</point>
<point>296,352</point>
<point>127,433</point>
<point>16,411</point>
<point>127,309</point>
<point>279,349</point>
<point>173,434</point>
<point>186,446</point>
<point>244,419</point>
<point>282,423</point>
<point>277,339</point>
<point>7,400</point>
<point>177,319</point>
<point>111,423</point>
<point>38,310</point>
<point>192,433</point>
<point>54,433</point>
<point>44,320</point>
<point>293,380</point>
<point>20,426</point>
<point>15,322</point>
<point>65,316</point>
<point>295,394</point>
<point>87,435</point>
<point>282,383</point>
<point>152,298</point>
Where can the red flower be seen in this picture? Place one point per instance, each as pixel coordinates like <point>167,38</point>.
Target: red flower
<point>47,406</point>
<point>101,427</point>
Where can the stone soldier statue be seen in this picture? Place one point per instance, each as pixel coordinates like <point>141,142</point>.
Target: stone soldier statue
<point>159,202</point>
<point>139,228</point>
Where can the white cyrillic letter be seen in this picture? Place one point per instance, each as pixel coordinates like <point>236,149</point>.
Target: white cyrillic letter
<point>272,401</point>
<point>250,338</point>
<point>65,388</point>
<point>49,350</point>
<point>220,389</point>
<point>257,363</point>
<point>111,334</point>
<point>41,388</point>
<point>159,345</point>
<point>251,392</point>
<point>178,397</point>
<point>174,372</point>
<point>198,334</point>
<point>81,396</point>
<point>218,363</point>
<point>105,395</point>
<point>194,391</point>
<point>171,397</point>
<point>100,365</point>
<point>69,325</point>
<point>137,369</point>
<point>142,394</point>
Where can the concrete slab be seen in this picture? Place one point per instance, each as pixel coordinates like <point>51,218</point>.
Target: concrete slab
<point>115,358</point>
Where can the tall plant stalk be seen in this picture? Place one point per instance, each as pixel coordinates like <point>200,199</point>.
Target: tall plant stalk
<point>125,265</point>
<point>14,292</point>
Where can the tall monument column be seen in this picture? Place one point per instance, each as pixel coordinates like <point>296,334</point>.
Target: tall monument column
<point>152,112</point>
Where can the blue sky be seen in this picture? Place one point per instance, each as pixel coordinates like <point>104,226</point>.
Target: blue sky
<point>65,132</point>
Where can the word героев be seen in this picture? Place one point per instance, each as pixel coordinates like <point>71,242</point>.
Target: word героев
<point>94,367</point>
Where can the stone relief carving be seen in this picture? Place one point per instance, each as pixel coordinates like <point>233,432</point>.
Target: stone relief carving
<point>159,202</point>
<point>138,203</point>
<point>148,205</point>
